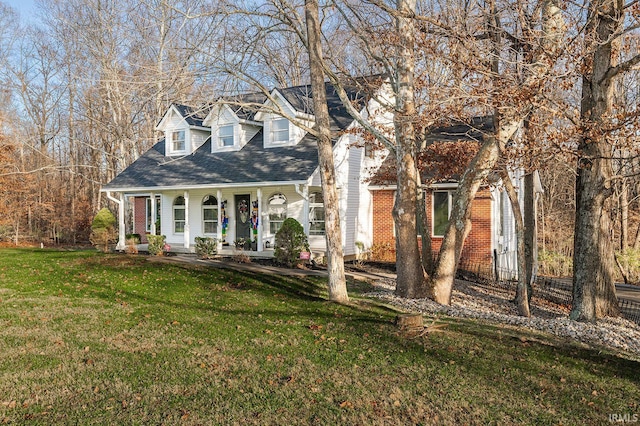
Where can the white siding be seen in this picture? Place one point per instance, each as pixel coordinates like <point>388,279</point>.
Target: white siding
<point>505,245</point>
<point>197,138</point>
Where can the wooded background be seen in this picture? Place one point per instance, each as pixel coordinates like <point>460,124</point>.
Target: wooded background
<point>86,82</point>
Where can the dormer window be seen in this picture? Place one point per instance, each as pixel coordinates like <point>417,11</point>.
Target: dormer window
<point>178,141</point>
<point>225,136</point>
<point>280,130</point>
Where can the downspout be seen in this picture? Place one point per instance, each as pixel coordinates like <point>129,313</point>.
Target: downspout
<point>304,193</point>
<point>121,234</point>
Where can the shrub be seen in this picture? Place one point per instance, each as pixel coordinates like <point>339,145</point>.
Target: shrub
<point>103,231</point>
<point>383,252</point>
<point>290,241</point>
<point>131,245</point>
<point>206,247</point>
<point>630,261</point>
<point>156,244</point>
<point>554,264</point>
<point>135,237</point>
<point>103,220</point>
<point>102,238</point>
<point>241,257</point>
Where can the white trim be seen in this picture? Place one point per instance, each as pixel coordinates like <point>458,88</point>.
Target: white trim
<point>160,125</point>
<point>250,122</point>
<point>207,186</point>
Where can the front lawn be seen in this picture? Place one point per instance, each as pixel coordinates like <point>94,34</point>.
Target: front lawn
<point>88,338</point>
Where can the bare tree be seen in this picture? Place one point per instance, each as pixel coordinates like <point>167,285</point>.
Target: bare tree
<point>593,283</point>
<point>337,281</point>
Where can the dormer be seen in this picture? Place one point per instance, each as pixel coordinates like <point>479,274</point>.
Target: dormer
<point>278,129</point>
<point>183,129</point>
<point>230,129</point>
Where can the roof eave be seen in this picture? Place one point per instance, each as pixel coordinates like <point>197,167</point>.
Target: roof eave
<point>203,186</point>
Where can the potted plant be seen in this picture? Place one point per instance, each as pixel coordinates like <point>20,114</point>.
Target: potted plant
<point>240,243</point>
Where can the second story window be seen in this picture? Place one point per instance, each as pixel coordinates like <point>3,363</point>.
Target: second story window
<point>225,136</point>
<point>178,141</point>
<point>280,130</point>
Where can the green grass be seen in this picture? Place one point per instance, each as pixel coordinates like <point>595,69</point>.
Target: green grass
<point>88,338</point>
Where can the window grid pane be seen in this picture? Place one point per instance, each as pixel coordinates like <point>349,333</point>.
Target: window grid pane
<point>177,139</point>
<point>316,220</point>
<point>280,130</point>
<point>440,212</point>
<point>225,136</point>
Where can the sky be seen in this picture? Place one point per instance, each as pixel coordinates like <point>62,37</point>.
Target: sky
<point>26,8</point>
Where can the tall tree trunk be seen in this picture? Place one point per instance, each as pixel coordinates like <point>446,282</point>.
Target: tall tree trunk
<point>523,291</point>
<point>530,232</point>
<point>337,281</point>
<point>424,230</point>
<point>593,263</point>
<point>410,274</point>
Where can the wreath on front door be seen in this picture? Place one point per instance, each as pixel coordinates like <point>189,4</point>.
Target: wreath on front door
<point>243,211</point>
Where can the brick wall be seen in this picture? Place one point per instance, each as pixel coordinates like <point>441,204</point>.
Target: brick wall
<point>477,247</point>
<point>140,218</point>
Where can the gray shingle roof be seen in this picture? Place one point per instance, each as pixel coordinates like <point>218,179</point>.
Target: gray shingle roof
<point>193,116</point>
<point>252,164</point>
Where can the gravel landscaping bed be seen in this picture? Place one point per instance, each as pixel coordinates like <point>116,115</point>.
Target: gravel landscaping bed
<point>471,300</point>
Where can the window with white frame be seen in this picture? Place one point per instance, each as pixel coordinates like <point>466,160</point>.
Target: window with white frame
<point>279,130</point>
<point>210,214</point>
<point>277,209</point>
<point>316,214</point>
<point>178,140</point>
<point>149,218</point>
<point>179,215</point>
<point>225,136</point>
<point>441,211</point>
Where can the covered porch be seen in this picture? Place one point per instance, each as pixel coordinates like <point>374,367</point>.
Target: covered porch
<point>229,214</point>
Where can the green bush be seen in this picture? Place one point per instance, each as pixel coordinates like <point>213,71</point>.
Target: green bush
<point>103,220</point>
<point>630,261</point>
<point>134,237</point>
<point>554,264</point>
<point>156,244</point>
<point>206,247</point>
<point>103,231</point>
<point>290,241</point>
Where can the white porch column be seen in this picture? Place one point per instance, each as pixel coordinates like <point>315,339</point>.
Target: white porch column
<point>121,230</point>
<point>259,194</point>
<point>305,209</point>
<point>219,229</point>
<point>152,228</point>
<point>186,219</point>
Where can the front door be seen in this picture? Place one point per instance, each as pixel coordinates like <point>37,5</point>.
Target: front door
<point>243,216</point>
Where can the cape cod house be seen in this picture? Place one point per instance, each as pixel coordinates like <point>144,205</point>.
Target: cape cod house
<point>237,170</point>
